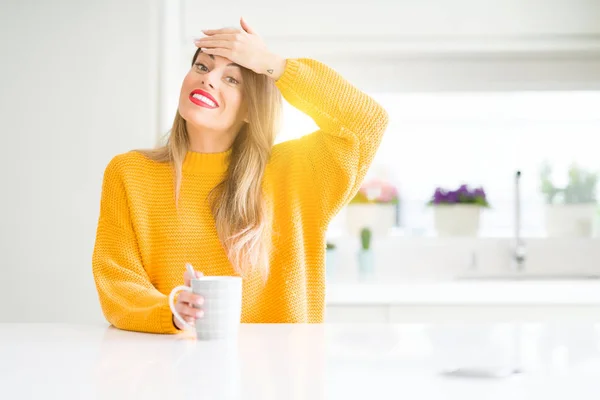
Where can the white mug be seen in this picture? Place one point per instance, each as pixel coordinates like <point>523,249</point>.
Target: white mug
<point>222,306</point>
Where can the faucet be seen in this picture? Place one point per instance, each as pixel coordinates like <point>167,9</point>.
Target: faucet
<point>518,255</point>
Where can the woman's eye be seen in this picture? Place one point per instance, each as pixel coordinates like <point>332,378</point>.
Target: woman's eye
<point>201,67</point>
<point>232,80</point>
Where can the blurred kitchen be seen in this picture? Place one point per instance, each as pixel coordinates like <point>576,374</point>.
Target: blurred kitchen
<point>482,196</point>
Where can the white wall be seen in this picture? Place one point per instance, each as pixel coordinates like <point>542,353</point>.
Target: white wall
<point>414,23</point>
<point>81,81</point>
<point>424,45</point>
<point>78,85</point>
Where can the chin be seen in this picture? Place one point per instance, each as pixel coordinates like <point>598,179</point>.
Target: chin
<point>196,117</point>
<point>203,121</point>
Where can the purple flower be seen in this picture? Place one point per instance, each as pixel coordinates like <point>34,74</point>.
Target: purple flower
<point>439,196</point>
<point>453,197</point>
<point>463,195</point>
<point>480,192</point>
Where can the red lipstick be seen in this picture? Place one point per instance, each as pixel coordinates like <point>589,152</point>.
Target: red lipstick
<point>203,99</point>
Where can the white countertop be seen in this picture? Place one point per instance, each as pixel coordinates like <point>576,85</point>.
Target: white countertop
<point>52,361</point>
<point>468,292</point>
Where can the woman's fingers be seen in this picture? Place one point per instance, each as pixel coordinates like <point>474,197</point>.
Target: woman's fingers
<point>184,305</point>
<point>189,312</point>
<point>187,297</point>
<point>246,27</point>
<point>185,302</point>
<point>230,37</point>
<point>222,30</point>
<point>210,43</point>
<point>226,53</point>
<point>187,277</point>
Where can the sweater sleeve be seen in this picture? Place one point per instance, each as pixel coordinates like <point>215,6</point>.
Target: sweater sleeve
<point>351,126</point>
<point>128,299</point>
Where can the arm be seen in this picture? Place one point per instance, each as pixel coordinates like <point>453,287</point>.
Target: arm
<point>128,299</point>
<point>351,128</point>
<point>351,123</point>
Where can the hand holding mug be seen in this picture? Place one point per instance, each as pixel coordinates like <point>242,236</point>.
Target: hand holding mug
<point>188,304</point>
<point>211,305</point>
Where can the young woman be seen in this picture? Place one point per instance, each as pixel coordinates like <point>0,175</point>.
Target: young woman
<point>222,197</point>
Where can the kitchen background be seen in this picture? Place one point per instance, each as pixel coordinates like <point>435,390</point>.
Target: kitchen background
<point>476,91</point>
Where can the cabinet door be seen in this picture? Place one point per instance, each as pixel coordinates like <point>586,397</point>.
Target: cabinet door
<point>357,313</point>
<point>491,313</point>
<point>404,19</point>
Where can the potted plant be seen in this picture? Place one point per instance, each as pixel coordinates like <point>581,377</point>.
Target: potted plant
<point>570,209</point>
<point>374,206</point>
<point>457,212</point>
<point>330,259</point>
<point>366,259</point>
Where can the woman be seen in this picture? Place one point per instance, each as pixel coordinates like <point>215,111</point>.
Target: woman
<point>220,196</point>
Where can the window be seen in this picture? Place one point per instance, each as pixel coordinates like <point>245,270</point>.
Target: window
<point>445,139</point>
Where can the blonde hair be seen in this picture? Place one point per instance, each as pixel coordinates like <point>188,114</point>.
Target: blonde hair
<point>241,210</point>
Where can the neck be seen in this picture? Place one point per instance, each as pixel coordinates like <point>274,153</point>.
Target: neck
<point>205,141</point>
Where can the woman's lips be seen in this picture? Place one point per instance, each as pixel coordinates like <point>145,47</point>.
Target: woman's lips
<point>203,99</point>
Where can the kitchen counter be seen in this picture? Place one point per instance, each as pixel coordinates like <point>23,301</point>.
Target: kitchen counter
<point>329,361</point>
<point>468,292</point>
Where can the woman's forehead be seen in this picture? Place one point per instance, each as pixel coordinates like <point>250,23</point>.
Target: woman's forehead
<point>217,59</point>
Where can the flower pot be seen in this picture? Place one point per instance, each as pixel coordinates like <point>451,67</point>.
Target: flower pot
<point>457,219</point>
<point>380,218</point>
<point>570,220</point>
<point>366,264</point>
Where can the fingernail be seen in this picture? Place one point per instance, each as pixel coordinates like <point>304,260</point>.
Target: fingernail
<point>199,314</point>
<point>200,301</point>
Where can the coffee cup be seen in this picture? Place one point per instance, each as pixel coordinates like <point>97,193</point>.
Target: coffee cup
<point>222,306</point>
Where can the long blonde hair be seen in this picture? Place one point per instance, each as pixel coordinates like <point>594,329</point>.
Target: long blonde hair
<point>241,210</point>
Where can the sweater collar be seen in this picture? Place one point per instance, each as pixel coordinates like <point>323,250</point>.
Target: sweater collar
<point>206,162</point>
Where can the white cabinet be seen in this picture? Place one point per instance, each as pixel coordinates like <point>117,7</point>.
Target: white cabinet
<point>457,302</point>
<point>426,314</point>
<point>406,25</point>
<point>488,313</point>
<point>357,313</point>
<point>414,45</point>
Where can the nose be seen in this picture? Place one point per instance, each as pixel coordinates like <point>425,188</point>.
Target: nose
<point>209,78</point>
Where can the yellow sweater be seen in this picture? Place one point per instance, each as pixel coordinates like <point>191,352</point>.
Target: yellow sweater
<point>142,243</point>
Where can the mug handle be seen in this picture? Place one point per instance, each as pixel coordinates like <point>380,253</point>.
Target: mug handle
<point>172,305</point>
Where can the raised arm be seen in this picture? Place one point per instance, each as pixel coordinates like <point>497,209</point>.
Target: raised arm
<point>351,128</point>
<point>351,123</point>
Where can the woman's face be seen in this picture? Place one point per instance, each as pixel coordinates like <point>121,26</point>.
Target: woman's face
<point>211,97</point>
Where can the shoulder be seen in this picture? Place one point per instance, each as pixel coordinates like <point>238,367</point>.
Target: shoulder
<point>291,149</point>
<point>133,163</point>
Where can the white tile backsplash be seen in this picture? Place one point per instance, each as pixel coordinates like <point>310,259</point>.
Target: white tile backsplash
<point>433,259</point>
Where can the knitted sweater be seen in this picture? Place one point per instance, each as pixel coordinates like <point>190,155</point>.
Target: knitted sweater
<point>143,242</point>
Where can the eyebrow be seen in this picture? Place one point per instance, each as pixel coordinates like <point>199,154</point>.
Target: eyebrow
<point>212,57</point>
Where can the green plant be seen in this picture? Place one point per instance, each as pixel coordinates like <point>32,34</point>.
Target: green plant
<point>581,187</point>
<point>365,238</point>
<point>330,246</point>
